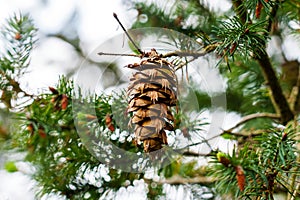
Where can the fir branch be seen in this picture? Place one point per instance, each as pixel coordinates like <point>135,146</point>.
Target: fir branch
<point>19,37</point>
<point>244,38</point>
<point>294,184</point>
<point>207,49</point>
<point>177,179</point>
<point>279,101</point>
<point>257,38</point>
<point>240,10</point>
<point>19,33</point>
<point>251,117</point>
<point>294,96</point>
<point>194,154</point>
<point>276,94</point>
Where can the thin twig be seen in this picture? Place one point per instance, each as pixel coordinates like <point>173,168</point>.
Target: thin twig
<point>181,65</point>
<point>195,154</point>
<point>278,99</point>
<point>295,192</point>
<point>185,151</point>
<point>176,180</point>
<point>295,92</point>
<point>184,54</point>
<point>208,49</point>
<point>117,54</point>
<point>253,116</point>
<point>129,37</point>
<point>196,54</point>
<point>294,184</point>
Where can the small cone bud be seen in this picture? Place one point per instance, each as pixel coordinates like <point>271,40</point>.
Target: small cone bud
<point>240,177</point>
<point>64,102</point>
<point>222,158</point>
<point>18,36</point>
<point>30,129</point>
<point>108,122</point>
<point>53,90</point>
<point>42,133</point>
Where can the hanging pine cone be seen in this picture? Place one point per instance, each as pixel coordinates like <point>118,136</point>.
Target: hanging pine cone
<point>152,91</point>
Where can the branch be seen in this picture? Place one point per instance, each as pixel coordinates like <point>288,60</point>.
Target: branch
<point>251,117</point>
<point>182,64</point>
<point>184,54</point>
<point>195,154</point>
<point>118,54</point>
<point>295,185</point>
<point>207,49</point>
<point>295,93</point>
<point>176,180</point>
<point>6,97</point>
<point>279,101</point>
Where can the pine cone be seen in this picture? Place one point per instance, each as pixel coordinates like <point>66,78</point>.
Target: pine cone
<point>152,91</point>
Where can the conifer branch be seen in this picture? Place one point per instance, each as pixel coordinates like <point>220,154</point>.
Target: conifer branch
<point>240,10</point>
<point>294,96</point>
<point>251,117</point>
<point>195,154</point>
<point>19,37</point>
<point>279,101</point>
<point>176,180</point>
<point>207,49</point>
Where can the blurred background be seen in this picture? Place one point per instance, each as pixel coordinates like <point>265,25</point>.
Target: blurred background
<point>67,31</point>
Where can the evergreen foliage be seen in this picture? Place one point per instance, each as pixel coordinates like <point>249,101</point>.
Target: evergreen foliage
<point>53,126</point>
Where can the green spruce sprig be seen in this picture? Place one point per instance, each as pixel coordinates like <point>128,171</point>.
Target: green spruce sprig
<point>262,172</point>
<point>19,39</point>
<point>247,39</point>
<point>19,34</point>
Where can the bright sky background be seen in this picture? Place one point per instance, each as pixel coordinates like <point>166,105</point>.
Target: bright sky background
<point>52,57</point>
<point>94,25</point>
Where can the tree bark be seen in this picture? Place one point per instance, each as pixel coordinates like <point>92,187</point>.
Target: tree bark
<point>276,94</point>
<point>280,102</point>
